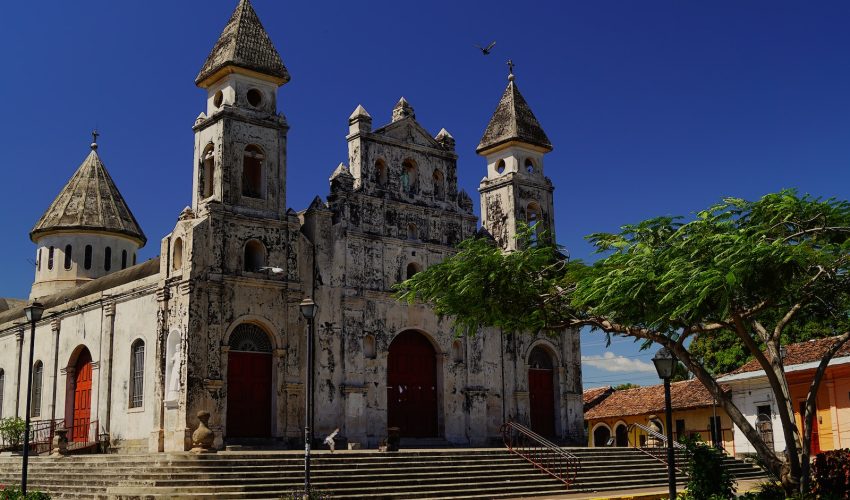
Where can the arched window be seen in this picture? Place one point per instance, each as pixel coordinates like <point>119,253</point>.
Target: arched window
<point>412,269</point>
<point>38,259</point>
<point>134,258</point>
<point>532,213</point>
<point>208,174</point>
<point>68,252</point>
<point>439,185</point>
<point>540,359</point>
<point>123,259</point>
<point>137,374</point>
<point>529,166</point>
<point>255,256</point>
<point>500,167</point>
<point>369,350</point>
<point>252,172</point>
<point>381,172</point>
<point>249,337</point>
<point>409,177</point>
<point>87,257</point>
<point>107,259</point>
<point>35,404</point>
<point>2,384</point>
<point>177,255</point>
<point>50,259</point>
<point>412,232</point>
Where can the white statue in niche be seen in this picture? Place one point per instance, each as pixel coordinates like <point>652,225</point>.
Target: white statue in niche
<point>173,377</point>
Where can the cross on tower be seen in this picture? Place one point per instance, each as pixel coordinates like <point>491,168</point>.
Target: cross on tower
<point>94,134</point>
<point>511,66</point>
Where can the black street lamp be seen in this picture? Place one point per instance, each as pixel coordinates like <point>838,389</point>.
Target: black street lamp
<point>664,365</point>
<point>308,310</point>
<point>33,312</point>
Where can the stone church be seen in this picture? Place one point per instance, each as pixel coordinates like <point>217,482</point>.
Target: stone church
<point>134,351</point>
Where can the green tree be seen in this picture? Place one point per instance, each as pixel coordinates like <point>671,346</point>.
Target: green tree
<point>627,385</point>
<point>745,271</point>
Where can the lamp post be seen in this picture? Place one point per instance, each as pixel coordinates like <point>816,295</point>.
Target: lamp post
<point>664,365</point>
<point>33,312</point>
<point>308,310</point>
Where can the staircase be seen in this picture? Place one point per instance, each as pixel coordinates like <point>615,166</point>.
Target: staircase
<point>447,473</point>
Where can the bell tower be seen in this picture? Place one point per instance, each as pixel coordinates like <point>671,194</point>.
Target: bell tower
<point>240,141</point>
<point>515,188</point>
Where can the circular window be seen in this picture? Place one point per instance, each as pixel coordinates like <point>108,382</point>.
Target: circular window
<point>500,167</point>
<point>529,165</point>
<point>218,99</point>
<point>255,97</point>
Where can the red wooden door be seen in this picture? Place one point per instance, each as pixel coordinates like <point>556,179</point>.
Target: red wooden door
<point>541,394</point>
<point>82,398</point>
<point>412,386</point>
<point>249,385</point>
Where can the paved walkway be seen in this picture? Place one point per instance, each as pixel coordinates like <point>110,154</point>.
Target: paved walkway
<point>637,493</point>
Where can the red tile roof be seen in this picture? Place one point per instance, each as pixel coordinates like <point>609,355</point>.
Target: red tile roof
<point>643,400</point>
<point>800,353</point>
<point>592,397</point>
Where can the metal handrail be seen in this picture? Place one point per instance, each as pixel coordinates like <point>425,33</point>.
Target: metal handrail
<point>657,435</point>
<point>658,452</point>
<point>540,452</point>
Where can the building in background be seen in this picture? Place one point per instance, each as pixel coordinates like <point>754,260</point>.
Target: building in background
<point>610,419</point>
<point>751,393</point>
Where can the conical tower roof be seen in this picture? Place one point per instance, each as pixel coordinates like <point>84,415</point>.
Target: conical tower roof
<point>244,43</point>
<point>89,202</point>
<point>513,121</point>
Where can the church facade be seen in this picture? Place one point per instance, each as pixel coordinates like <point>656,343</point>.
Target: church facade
<point>135,350</point>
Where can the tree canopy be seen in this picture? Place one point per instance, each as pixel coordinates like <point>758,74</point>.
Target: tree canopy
<point>740,275</point>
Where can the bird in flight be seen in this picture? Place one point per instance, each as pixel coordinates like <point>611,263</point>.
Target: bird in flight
<point>486,50</point>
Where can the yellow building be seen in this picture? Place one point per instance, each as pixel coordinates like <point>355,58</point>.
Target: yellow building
<point>609,418</point>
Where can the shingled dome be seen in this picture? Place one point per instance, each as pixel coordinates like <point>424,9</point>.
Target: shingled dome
<point>89,202</point>
<point>513,121</point>
<point>244,43</point>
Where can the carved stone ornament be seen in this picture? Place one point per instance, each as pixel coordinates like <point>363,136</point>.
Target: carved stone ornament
<point>203,437</point>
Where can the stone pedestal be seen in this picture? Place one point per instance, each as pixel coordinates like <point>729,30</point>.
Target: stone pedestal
<point>60,443</point>
<point>203,438</point>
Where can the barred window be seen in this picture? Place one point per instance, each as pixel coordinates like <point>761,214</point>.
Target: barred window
<point>137,374</point>
<point>35,405</point>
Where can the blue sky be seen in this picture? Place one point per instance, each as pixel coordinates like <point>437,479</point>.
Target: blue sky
<point>654,107</point>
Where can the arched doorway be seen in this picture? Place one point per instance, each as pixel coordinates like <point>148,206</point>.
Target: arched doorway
<point>80,397</point>
<point>621,433</point>
<point>601,435</point>
<point>412,385</point>
<point>249,383</point>
<point>541,392</point>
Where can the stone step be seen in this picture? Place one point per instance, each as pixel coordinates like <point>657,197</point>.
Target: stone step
<point>453,473</point>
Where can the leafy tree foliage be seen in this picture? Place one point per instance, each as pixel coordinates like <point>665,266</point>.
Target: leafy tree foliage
<point>741,273</point>
<point>626,386</point>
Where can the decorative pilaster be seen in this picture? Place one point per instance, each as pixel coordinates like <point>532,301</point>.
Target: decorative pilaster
<point>19,347</point>
<point>55,327</point>
<point>157,438</point>
<point>104,411</point>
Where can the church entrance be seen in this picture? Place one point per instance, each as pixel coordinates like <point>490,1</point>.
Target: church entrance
<point>412,385</point>
<point>541,392</point>
<point>249,383</point>
<point>81,390</point>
